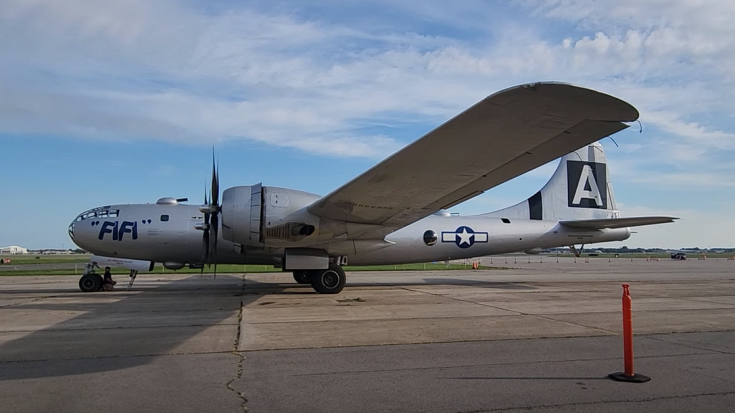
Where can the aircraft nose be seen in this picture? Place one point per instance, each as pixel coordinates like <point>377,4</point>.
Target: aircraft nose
<point>71,230</point>
<point>81,229</point>
<point>76,232</point>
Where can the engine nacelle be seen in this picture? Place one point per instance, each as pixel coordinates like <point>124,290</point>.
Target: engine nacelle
<point>267,216</point>
<point>242,209</point>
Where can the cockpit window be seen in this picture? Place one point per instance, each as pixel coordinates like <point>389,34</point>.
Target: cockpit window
<point>103,212</point>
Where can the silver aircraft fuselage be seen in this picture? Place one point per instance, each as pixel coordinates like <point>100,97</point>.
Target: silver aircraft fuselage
<point>168,233</point>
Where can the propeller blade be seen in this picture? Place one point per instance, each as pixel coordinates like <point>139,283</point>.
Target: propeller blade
<point>215,181</point>
<point>205,236</point>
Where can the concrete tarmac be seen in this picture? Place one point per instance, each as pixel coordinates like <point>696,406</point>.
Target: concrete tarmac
<point>541,336</point>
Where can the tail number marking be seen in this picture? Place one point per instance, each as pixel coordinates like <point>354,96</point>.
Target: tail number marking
<point>583,183</point>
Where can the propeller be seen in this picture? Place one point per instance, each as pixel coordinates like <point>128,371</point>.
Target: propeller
<point>211,213</point>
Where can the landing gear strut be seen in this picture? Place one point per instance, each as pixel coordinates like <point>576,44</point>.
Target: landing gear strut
<point>133,274</point>
<point>575,251</point>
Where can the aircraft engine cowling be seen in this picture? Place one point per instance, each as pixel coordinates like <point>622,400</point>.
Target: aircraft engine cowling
<point>242,210</point>
<point>267,216</point>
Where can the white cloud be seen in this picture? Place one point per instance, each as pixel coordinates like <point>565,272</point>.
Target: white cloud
<point>141,69</point>
<point>138,69</point>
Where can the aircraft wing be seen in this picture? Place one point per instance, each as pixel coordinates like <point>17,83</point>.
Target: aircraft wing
<point>503,136</point>
<point>617,222</point>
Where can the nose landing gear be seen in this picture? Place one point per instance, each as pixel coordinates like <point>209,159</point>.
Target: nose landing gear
<point>90,282</point>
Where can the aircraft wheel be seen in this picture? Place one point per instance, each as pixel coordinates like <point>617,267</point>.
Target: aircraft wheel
<point>90,282</point>
<point>301,277</point>
<point>329,281</point>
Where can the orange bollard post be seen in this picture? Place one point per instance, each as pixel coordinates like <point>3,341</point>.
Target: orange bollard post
<point>475,265</point>
<point>628,375</point>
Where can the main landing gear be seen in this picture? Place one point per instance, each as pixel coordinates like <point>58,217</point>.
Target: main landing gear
<point>329,281</point>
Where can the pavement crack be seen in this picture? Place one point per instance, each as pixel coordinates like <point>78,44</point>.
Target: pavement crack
<point>240,356</point>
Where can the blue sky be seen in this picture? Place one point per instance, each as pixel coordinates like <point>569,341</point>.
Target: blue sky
<point>121,102</point>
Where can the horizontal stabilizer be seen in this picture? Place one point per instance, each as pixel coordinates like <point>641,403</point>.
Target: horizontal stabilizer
<point>617,222</point>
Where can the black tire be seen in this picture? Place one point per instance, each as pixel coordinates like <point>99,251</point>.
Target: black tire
<point>90,283</point>
<point>302,277</point>
<point>329,281</point>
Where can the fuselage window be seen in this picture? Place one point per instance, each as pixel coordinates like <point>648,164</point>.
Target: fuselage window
<point>430,237</point>
<point>164,218</point>
<point>505,220</point>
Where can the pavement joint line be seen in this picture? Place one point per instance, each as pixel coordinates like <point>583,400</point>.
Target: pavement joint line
<point>549,317</point>
<point>462,300</point>
<point>122,356</point>
<point>243,352</point>
<point>117,328</point>
<point>331,320</point>
<point>690,345</point>
<point>453,367</point>
<point>682,309</point>
<point>598,402</point>
<point>499,364</point>
<point>709,376</point>
<point>153,312</point>
<point>702,299</point>
<point>712,300</point>
<point>476,341</point>
<point>33,300</point>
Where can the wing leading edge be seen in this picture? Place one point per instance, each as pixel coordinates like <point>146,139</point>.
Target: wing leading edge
<point>503,136</point>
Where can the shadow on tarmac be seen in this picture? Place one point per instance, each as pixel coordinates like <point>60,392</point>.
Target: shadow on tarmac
<point>148,322</point>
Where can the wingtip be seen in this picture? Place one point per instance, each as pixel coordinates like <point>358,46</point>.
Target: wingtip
<point>599,105</point>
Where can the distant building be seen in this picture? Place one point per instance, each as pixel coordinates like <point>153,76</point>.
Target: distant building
<point>13,249</point>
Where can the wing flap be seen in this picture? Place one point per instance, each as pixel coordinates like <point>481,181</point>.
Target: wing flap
<point>503,136</point>
<point>617,222</point>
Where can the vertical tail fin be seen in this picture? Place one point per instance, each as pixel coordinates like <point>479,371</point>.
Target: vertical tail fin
<point>579,189</point>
